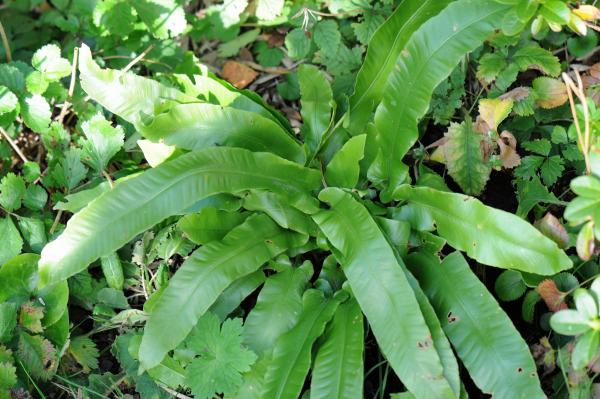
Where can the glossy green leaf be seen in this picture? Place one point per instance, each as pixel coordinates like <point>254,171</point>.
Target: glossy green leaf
<point>490,236</point>
<point>509,285</point>
<point>204,276</point>
<point>292,351</point>
<point>316,105</point>
<point>123,94</point>
<point>54,298</point>
<point>18,278</point>
<point>483,336</point>
<point>195,126</point>
<point>338,369</point>
<point>209,224</point>
<point>233,296</point>
<point>428,58</point>
<point>137,204</point>
<point>112,270</point>
<point>344,169</point>
<point>277,308</point>
<point>11,240</point>
<point>385,46</point>
<point>383,293</point>
<point>569,322</point>
<point>278,208</point>
<point>585,349</point>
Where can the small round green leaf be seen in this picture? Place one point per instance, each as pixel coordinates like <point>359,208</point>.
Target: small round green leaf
<point>509,285</point>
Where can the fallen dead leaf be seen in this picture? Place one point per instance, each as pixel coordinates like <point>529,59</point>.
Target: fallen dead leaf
<point>238,74</point>
<point>554,298</point>
<point>508,150</point>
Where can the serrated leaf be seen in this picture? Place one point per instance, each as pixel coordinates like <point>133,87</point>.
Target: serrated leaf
<point>12,192</point>
<point>529,167</point>
<point>8,321</point>
<point>221,357</point>
<point>36,83</point>
<point>8,100</point>
<point>85,352</point>
<point>114,17</point>
<point>464,160</point>
<point>70,171</point>
<point>30,317</point>
<point>49,62</point>
<point>164,18</point>
<point>540,146</point>
<point>297,44</point>
<point>268,10</point>
<point>327,36</point>
<point>535,57</point>
<point>34,232</point>
<point>532,192</point>
<point>494,111</point>
<point>365,29</point>
<point>35,198</point>
<point>102,142</point>
<point>551,169</point>
<point>490,66</point>
<point>38,355</point>
<point>36,112</point>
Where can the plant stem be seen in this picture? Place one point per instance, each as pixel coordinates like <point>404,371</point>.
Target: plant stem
<point>67,102</point>
<point>5,42</point>
<point>13,145</point>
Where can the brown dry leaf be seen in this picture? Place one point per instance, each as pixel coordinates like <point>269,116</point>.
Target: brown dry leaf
<point>246,55</point>
<point>481,125</point>
<point>275,39</point>
<point>508,150</point>
<point>553,297</point>
<point>516,94</point>
<point>238,74</point>
<point>552,228</point>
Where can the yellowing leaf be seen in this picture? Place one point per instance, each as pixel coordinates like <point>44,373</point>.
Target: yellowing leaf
<point>494,111</point>
<point>587,12</point>
<point>551,93</point>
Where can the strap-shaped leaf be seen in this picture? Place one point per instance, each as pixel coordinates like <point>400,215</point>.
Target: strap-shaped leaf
<point>204,276</point>
<point>483,336</point>
<point>233,296</point>
<point>137,204</point>
<point>278,208</point>
<point>198,125</point>
<point>429,57</point>
<point>488,235</point>
<point>384,48</point>
<point>343,170</point>
<point>277,308</point>
<point>384,294</point>
<point>292,352</point>
<point>123,94</point>
<point>338,369</point>
<point>316,102</point>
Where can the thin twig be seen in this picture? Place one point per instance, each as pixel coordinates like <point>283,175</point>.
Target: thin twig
<point>13,145</point>
<point>108,179</point>
<point>582,138</point>
<point>56,221</point>
<point>67,102</point>
<point>5,42</point>
<point>124,57</point>
<point>136,59</point>
<point>174,393</point>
